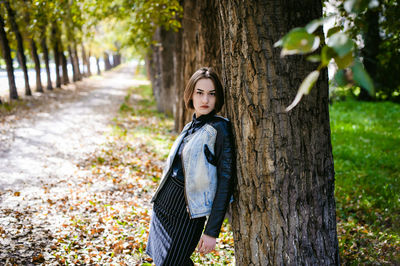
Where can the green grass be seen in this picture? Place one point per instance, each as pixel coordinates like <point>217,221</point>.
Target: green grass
<point>366,149</point>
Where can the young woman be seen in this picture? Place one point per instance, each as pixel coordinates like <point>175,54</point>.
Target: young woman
<point>197,179</point>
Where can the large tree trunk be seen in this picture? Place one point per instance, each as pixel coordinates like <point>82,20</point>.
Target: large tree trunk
<point>35,58</point>
<point>46,58</point>
<point>20,45</point>
<point>6,51</point>
<point>200,46</point>
<point>56,51</point>
<point>284,213</point>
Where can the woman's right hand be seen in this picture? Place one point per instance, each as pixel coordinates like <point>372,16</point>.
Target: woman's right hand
<point>206,244</point>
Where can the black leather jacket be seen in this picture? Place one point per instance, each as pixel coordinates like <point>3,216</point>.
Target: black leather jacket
<point>224,160</point>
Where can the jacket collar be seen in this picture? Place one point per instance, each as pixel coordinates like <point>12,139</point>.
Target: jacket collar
<point>201,120</point>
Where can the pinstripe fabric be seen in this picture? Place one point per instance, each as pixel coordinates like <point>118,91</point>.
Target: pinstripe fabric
<point>173,235</point>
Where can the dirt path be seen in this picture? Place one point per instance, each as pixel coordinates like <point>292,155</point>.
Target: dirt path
<point>49,143</point>
<point>39,163</point>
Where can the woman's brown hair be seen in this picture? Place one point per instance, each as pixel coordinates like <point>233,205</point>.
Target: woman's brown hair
<point>204,73</point>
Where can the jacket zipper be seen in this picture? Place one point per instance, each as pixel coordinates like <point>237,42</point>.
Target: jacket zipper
<point>184,186</point>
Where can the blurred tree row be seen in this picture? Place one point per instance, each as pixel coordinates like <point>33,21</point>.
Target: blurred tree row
<point>73,31</point>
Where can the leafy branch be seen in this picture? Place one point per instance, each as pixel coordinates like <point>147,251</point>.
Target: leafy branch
<point>339,47</point>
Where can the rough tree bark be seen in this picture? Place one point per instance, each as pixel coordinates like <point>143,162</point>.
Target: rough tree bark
<point>284,213</point>
<point>45,50</point>
<point>6,51</point>
<point>20,45</point>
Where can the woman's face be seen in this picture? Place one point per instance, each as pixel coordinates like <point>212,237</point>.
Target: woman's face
<point>204,97</point>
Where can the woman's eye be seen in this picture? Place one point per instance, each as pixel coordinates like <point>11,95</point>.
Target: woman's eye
<point>199,92</point>
<point>212,93</point>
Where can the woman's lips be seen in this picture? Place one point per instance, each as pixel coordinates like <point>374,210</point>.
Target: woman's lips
<point>204,106</point>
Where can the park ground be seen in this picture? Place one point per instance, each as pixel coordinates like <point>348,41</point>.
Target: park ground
<point>78,167</point>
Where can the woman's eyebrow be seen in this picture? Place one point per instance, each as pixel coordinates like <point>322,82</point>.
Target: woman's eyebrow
<point>203,90</point>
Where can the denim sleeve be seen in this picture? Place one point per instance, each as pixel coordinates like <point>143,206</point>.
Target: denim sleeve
<point>224,153</point>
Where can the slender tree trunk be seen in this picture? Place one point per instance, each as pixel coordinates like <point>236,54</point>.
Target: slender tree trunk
<point>71,59</point>
<point>56,51</point>
<point>76,61</point>
<point>154,68</point>
<point>46,59</point>
<point>179,83</point>
<point>89,71</point>
<point>370,52</point>
<point>64,62</point>
<point>98,65</point>
<point>20,45</point>
<point>35,58</point>
<point>85,61</point>
<point>115,60</point>
<point>284,213</point>
<point>33,49</point>
<point>107,64</point>
<point>5,49</point>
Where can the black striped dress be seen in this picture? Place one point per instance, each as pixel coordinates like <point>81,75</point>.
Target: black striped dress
<point>173,235</point>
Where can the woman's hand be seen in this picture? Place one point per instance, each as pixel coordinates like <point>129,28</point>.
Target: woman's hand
<point>206,244</point>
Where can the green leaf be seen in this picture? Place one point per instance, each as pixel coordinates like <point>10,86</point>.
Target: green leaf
<point>341,43</point>
<point>355,6</point>
<point>314,24</point>
<point>278,43</point>
<point>314,58</point>
<point>340,78</point>
<point>327,54</point>
<point>333,30</point>
<point>361,77</point>
<point>344,61</point>
<point>304,88</point>
<point>298,41</point>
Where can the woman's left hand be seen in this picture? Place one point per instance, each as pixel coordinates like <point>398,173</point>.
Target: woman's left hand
<point>206,244</point>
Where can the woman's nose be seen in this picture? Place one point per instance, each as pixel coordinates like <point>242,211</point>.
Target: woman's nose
<point>205,99</point>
